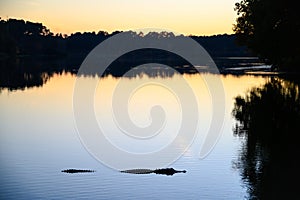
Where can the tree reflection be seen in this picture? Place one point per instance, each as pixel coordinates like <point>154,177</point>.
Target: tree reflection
<point>19,74</point>
<point>269,120</point>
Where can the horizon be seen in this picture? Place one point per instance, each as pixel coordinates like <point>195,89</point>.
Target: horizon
<point>198,18</point>
<point>144,32</point>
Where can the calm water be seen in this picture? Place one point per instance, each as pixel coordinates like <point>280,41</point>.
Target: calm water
<point>39,139</point>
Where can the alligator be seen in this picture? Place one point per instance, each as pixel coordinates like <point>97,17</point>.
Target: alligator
<point>72,171</point>
<point>164,171</point>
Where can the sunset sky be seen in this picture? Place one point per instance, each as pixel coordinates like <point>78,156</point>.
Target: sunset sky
<point>196,17</point>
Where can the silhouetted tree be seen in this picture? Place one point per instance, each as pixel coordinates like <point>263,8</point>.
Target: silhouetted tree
<point>7,43</point>
<point>19,38</point>
<point>271,28</point>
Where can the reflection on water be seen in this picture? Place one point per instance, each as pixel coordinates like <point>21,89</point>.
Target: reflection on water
<point>21,73</point>
<point>26,72</point>
<point>38,140</point>
<point>29,72</point>
<point>269,120</point>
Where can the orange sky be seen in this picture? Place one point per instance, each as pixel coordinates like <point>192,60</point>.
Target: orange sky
<point>196,17</point>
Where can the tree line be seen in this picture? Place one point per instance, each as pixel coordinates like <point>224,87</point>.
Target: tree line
<point>20,38</point>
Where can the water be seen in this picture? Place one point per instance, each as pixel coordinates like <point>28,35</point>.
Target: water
<point>39,139</point>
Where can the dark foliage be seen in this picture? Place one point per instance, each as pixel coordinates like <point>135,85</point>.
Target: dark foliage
<point>18,37</point>
<point>271,28</point>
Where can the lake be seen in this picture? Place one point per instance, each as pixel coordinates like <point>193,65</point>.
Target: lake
<point>39,138</point>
